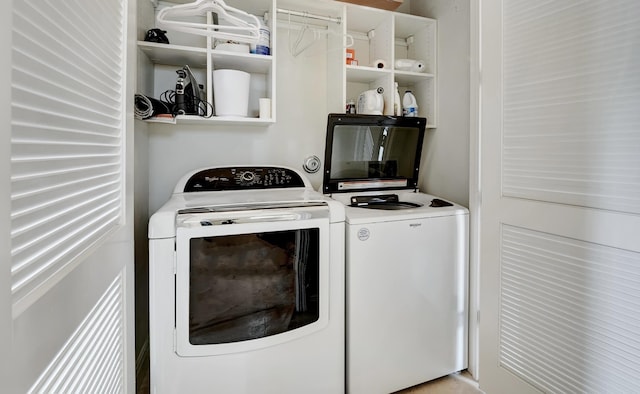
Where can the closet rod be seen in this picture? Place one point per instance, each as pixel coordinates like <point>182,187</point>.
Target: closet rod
<point>309,15</point>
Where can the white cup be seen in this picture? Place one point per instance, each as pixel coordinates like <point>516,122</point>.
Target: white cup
<point>265,108</point>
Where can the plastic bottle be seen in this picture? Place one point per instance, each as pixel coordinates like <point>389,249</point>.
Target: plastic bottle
<point>262,47</point>
<point>409,104</point>
<point>351,107</point>
<point>397,105</point>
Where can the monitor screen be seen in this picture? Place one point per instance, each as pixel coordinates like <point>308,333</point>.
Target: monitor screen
<point>367,152</point>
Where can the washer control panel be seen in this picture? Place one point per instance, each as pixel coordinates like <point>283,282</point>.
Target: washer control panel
<point>242,178</point>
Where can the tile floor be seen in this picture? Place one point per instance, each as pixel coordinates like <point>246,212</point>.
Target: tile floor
<point>458,383</point>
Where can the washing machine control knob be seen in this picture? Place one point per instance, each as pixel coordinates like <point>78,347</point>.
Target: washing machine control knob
<point>248,176</point>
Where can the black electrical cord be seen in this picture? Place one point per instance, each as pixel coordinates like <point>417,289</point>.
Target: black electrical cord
<point>168,97</point>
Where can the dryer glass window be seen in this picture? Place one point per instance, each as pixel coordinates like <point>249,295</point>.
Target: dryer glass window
<point>250,286</point>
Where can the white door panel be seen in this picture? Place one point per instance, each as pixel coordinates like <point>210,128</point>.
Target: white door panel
<point>49,331</point>
<point>71,330</point>
<point>560,175</point>
<point>5,203</point>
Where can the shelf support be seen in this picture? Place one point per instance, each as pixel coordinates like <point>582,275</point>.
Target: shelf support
<point>305,14</point>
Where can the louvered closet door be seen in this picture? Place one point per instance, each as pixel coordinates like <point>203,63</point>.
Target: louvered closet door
<point>560,212</point>
<point>71,247</point>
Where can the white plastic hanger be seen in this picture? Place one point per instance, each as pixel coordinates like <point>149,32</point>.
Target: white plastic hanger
<point>318,32</point>
<point>240,29</point>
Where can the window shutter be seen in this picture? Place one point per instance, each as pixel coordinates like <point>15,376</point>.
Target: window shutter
<point>572,99</point>
<point>67,132</point>
<point>91,361</point>
<point>569,299</point>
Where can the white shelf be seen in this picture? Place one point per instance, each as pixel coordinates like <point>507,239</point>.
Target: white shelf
<point>179,55</point>
<point>378,34</point>
<point>203,59</point>
<point>389,35</point>
<point>409,77</point>
<point>248,62</point>
<point>219,120</point>
<point>363,74</point>
<point>174,55</point>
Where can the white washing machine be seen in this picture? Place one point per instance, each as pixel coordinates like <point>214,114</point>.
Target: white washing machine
<point>406,257</point>
<point>247,285</point>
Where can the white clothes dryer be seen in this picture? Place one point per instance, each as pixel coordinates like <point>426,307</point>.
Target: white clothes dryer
<point>247,285</point>
<point>406,257</point>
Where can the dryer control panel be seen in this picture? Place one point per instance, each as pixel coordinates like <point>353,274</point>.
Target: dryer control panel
<point>242,178</point>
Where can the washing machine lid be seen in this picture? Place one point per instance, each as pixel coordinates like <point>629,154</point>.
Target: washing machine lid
<point>424,206</point>
<point>372,152</point>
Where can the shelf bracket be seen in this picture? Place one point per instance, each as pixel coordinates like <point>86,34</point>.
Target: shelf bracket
<point>410,40</point>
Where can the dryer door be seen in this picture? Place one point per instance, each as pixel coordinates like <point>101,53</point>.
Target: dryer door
<point>246,281</point>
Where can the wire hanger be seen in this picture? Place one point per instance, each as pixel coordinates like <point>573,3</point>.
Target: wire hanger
<point>294,45</point>
<point>239,29</point>
<point>318,32</point>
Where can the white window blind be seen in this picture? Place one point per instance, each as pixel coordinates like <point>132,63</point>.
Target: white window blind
<point>570,310</point>
<point>92,359</point>
<point>66,134</point>
<point>572,102</point>
<point>570,307</point>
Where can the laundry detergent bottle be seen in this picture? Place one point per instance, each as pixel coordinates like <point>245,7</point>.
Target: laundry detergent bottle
<point>409,104</point>
<point>371,102</point>
<point>397,104</point>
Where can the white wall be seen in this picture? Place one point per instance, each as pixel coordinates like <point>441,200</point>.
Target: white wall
<point>144,82</point>
<point>445,161</point>
<point>299,131</point>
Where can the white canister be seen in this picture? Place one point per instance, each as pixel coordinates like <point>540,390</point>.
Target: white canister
<point>231,92</point>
